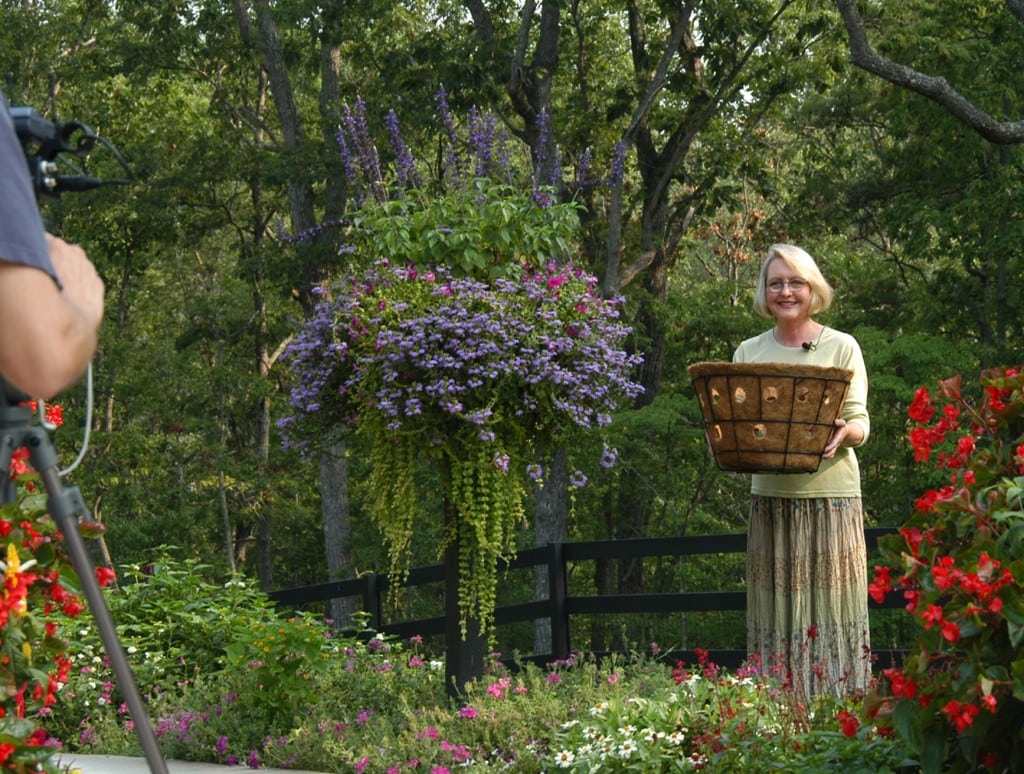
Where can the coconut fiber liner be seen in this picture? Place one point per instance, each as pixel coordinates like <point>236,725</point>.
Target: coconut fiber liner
<point>769,417</point>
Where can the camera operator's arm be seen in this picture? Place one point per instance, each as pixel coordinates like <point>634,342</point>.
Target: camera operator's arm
<point>48,335</point>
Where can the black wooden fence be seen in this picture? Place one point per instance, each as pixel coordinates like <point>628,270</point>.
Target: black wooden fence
<point>561,605</point>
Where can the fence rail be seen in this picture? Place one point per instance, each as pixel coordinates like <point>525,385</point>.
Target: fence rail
<point>561,606</point>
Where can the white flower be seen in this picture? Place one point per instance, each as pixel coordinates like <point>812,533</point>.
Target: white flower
<point>565,759</point>
<point>436,666</point>
<point>626,749</point>
<point>652,735</point>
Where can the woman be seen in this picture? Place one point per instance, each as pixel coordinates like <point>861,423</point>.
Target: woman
<point>807,614</point>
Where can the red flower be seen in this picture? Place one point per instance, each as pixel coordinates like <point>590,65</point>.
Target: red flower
<point>989,760</point>
<point>965,446</point>
<point>932,615</point>
<point>961,716</point>
<point>950,631</point>
<point>881,585</point>
<point>921,410</point>
<point>921,439</point>
<point>105,576</point>
<point>848,723</point>
<point>914,537</point>
<point>913,597</point>
<point>902,686</point>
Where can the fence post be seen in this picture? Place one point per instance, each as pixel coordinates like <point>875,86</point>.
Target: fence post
<point>373,604</point>
<point>464,656</point>
<point>558,593</point>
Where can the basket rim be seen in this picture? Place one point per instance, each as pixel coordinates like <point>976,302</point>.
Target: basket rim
<point>728,368</point>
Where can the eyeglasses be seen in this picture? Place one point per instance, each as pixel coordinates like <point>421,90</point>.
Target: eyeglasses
<point>796,285</point>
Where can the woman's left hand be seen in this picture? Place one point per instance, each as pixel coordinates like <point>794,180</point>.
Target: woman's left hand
<point>835,441</point>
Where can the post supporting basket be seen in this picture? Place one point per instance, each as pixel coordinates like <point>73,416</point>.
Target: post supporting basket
<point>769,417</point>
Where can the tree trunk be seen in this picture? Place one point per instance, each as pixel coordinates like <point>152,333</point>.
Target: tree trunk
<point>337,528</point>
<point>334,481</point>
<point>550,527</point>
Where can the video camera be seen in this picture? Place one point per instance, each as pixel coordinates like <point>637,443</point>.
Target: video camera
<point>48,145</point>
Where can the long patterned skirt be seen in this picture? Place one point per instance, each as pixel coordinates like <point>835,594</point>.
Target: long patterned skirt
<point>807,593</point>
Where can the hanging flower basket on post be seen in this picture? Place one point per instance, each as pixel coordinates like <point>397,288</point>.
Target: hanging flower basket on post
<point>473,377</point>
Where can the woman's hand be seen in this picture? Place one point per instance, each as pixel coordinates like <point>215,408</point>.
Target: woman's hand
<point>845,434</point>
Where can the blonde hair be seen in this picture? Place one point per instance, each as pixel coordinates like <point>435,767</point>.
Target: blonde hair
<point>800,263</point>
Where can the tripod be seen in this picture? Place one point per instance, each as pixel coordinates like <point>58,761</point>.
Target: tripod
<point>66,506</point>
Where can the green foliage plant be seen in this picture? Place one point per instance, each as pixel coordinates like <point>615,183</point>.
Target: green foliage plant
<point>480,228</point>
<point>958,698</point>
<point>199,650</point>
<point>474,377</point>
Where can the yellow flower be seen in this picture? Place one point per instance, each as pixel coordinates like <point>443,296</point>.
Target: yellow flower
<point>13,561</point>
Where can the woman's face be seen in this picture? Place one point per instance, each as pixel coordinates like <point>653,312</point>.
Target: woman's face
<point>788,294</point>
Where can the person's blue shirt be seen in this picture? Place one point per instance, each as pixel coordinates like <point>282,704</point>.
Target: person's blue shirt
<point>22,235</point>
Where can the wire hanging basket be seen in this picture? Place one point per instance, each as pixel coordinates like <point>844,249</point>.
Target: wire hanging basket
<point>769,417</point>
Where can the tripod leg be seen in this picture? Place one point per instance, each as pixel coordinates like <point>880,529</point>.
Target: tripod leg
<point>65,505</point>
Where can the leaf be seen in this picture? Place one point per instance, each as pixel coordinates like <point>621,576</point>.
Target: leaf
<point>1016,632</point>
<point>951,387</point>
<point>934,753</point>
<point>905,722</point>
<point>1017,668</point>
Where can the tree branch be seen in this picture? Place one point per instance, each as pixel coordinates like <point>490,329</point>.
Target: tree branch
<point>934,88</point>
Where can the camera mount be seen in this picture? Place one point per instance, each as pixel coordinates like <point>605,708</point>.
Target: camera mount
<point>48,146</point>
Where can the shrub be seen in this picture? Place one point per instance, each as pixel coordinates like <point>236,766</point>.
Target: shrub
<point>957,700</point>
<point>221,644</point>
